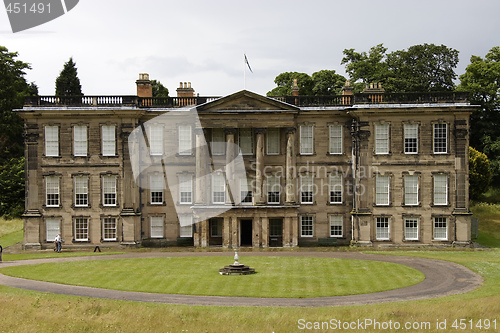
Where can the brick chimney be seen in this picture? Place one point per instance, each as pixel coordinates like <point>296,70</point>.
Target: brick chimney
<point>295,88</point>
<point>185,90</point>
<point>144,87</point>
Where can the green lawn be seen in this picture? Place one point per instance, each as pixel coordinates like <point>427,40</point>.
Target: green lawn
<point>11,231</point>
<point>489,223</point>
<point>275,277</point>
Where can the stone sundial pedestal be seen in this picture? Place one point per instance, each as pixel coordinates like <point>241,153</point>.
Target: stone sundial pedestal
<point>236,268</point>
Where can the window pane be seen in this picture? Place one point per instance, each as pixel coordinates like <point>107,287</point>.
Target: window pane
<point>109,228</point>
<point>411,138</point>
<point>218,143</point>
<point>246,192</point>
<point>273,189</point>
<point>382,190</point>
<point>335,188</point>
<point>156,226</point>
<point>336,225</point>
<point>156,186</point>
<point>411,190</point>
<point>186,226</point>
<point>382,228</point>
<point>81,229</point>
<point>108,140</point>
<point>81,191</point>
<point>246,141</point>
<point>440,138</point>
<point>218,189</point>
<point>156,140</point>
<point>185,188</point>
<point>52,191</point>
<point>306,140</point>
<point>306,189</point>
<point>53,228</point>
<point>273,141</point>
<point>185,138</point>
<point>335,139</point>
<point>306,226</point>
<point>109,190</point>
<point>440,189</point>
<point>411,228</point>
<point>51,141</point>
<point>80,140</point>
<point>440,228</point>
<point>382,139</point>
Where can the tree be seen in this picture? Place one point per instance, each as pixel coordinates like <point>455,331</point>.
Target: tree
<point>12,185</point>
<point>327,83</point>
<point>479,173</point>
<point>159,90</point>
<point>322,83</point>
<point>68,83</point>
<point>366,67</point>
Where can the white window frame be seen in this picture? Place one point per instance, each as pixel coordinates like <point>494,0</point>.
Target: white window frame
<point>81,233</point>
<point>382,190</point>
<point>108,140</point>
<point>306,226</point>
<point>186,226</point>
<point>441,189</point>
<point>439,230</point>
<point>382,228</point>
<point>156,140</point>
<point>156,187</point>
<point>438,140</point>
<point>335,139</point>
<point>81,191</point>
<point>109,188</point>
<point>382,139</point>
<point>109,229</point>
<point>218,144</point>
<point>336,188</point>
<point>52,188</point>
<point>306,139</point>
<point>185,133</point>
<point>246,191</point>
<point>185,189</point>
<point>245,140</point>
<point>218,188</point>
<point>307,189</point>
<point>411,232</point>
<point>273,183</point>
<point>336,226</point>
<point>52,141</point>
<point>411,190</point>
<point>156,226</point>
<point>411,138</point>
<point>273,141</point>
<point>52,228</point>
<point>80,146</point>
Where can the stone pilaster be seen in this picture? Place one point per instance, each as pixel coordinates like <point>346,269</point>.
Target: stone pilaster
<point>260,197</point>
<point>290,166</point>
<point>201,168</point>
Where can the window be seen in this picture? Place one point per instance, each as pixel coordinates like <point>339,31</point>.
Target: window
<point>306,226</point>
<point>109,229</point>
<point>411,190</point>
<point>246,193</point>
<point>382,190</point>
<point>335,188</point>
<point>218,188</point>
<point>306,189</point>
<point>336,225</point>
<point>381,138</point>
<point>51,141</point>
<point>81,191</point>
<point>185,189</point>
<point>52,191</point>
<point>382,228</point>
<point>156,140</point>
<point>81,229</point>
<point>109,191</point>
<point>440,138</point>
<point>306,140</point>
<point>246,141</point>
<point>156,226</point>
<point>215,227</point>
<point>273,189</point>
<point>108,140</point>
<point>53,228</point>
<point>273,141</point>
<point>218,143</point>
<point>185,140</point>
<point>335,139</point>
<point>186,226</point>
<point>440,228</point>
<point>80,140</point>
<point>440,190</point>
<point>411,228</point>
<point>156,186</point>
<point>411,138</point>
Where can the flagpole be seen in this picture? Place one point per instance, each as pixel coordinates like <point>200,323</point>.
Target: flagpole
<point>244,72</point>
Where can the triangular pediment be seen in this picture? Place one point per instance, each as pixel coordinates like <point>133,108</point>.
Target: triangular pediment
<point>246,101</point>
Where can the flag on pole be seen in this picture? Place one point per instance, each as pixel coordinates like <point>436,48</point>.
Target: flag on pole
<point>248,64</point>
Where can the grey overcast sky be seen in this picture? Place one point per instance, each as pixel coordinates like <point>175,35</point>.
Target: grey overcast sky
<point>203,42</point>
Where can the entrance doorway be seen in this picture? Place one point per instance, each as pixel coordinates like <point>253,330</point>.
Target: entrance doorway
<point>246,233</point>
<point>275,232</point>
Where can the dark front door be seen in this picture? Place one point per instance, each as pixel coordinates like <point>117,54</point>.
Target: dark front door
<point>275,232</point>
<point>246,233</point>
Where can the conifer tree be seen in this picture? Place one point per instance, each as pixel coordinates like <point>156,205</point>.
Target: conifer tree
<point>68,83</point>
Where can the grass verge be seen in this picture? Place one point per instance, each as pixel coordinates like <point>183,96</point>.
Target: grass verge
<point>489,224</point>
<point>11,231</point>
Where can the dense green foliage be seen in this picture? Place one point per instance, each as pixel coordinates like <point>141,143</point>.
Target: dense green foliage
<point>479,173</point>
<point>159,90</point>
<point>322,83</point>
<point>68,83</point>
<point>12,188</point>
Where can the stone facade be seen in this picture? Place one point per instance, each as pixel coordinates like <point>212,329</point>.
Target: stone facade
<point>370,174</point>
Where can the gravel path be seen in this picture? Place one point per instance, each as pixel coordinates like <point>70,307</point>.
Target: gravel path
<point>442,278</point>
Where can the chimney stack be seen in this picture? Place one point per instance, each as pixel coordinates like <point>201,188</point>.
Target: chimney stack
<point>144,87</point>
<point>185,90</point>
<point>295,88</point>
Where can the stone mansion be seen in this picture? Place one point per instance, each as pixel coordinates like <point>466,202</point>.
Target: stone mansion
<point>368,169</point>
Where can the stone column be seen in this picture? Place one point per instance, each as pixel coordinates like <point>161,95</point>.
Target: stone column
<point>290,166</point>
<point>230,155</point>
<point>205,233</point>
<point>256,232</point>
<point>287,232</point>
<point>294,220</point>
<point>265,231</point>
<point>201,168</point>
<point>260,197</point>
<point>226,233</point>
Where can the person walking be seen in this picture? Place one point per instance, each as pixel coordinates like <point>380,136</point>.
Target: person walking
<point>58,242</point>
